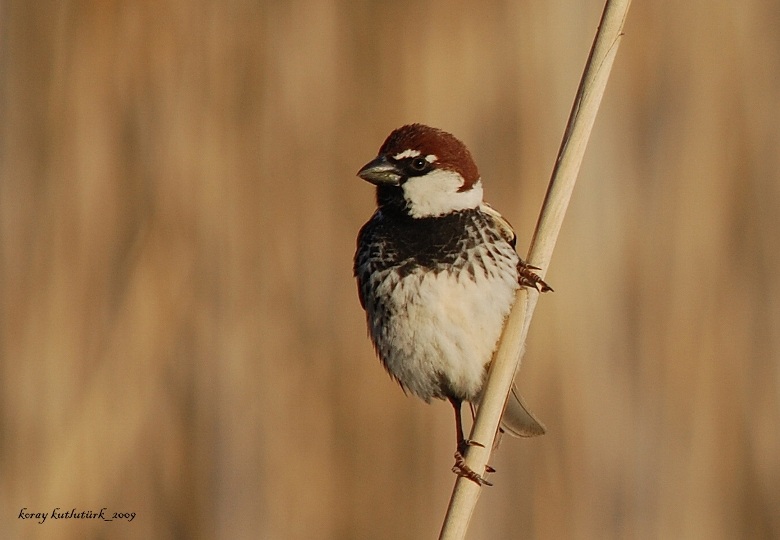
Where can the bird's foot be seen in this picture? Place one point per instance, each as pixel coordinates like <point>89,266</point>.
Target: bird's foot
<point>465,443</point>
<point>461,469</point>
<point>529,278</point>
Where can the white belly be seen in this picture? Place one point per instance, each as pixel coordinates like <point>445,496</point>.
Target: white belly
<point>442,330</point>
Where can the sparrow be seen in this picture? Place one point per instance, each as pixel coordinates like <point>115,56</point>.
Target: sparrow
<point>437,272</point>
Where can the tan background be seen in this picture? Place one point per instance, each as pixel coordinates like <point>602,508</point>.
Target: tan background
<point>181,335</point>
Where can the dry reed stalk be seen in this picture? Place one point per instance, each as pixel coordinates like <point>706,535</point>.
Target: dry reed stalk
<point>509,352</point>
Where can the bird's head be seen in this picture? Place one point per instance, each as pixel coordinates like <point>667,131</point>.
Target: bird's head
<point>425,171</point>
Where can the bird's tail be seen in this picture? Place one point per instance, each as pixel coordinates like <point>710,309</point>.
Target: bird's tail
<point>518,420</point>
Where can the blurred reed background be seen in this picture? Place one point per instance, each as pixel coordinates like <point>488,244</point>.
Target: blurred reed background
<point>181,336</point>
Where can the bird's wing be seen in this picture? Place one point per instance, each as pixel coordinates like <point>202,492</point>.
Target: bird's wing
<point>503,225</point>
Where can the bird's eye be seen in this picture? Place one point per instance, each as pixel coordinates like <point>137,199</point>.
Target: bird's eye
<point>419,164</point>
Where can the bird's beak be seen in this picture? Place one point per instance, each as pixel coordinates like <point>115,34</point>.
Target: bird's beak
<point>380,172</point>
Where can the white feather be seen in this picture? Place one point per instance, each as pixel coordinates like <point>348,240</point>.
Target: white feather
<point>450,325</point>
<point>436,194</point>
<point>406,154</point>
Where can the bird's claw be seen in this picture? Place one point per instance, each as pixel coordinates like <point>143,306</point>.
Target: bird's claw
<point>529,278</point>
<point>461,469</point>
<point>465,443</point>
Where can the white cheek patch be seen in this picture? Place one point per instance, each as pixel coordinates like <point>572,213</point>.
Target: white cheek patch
<point>407,154</point>
<point>436,194</point>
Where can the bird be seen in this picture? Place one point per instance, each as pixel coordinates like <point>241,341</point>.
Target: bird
<point>437,272</point>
